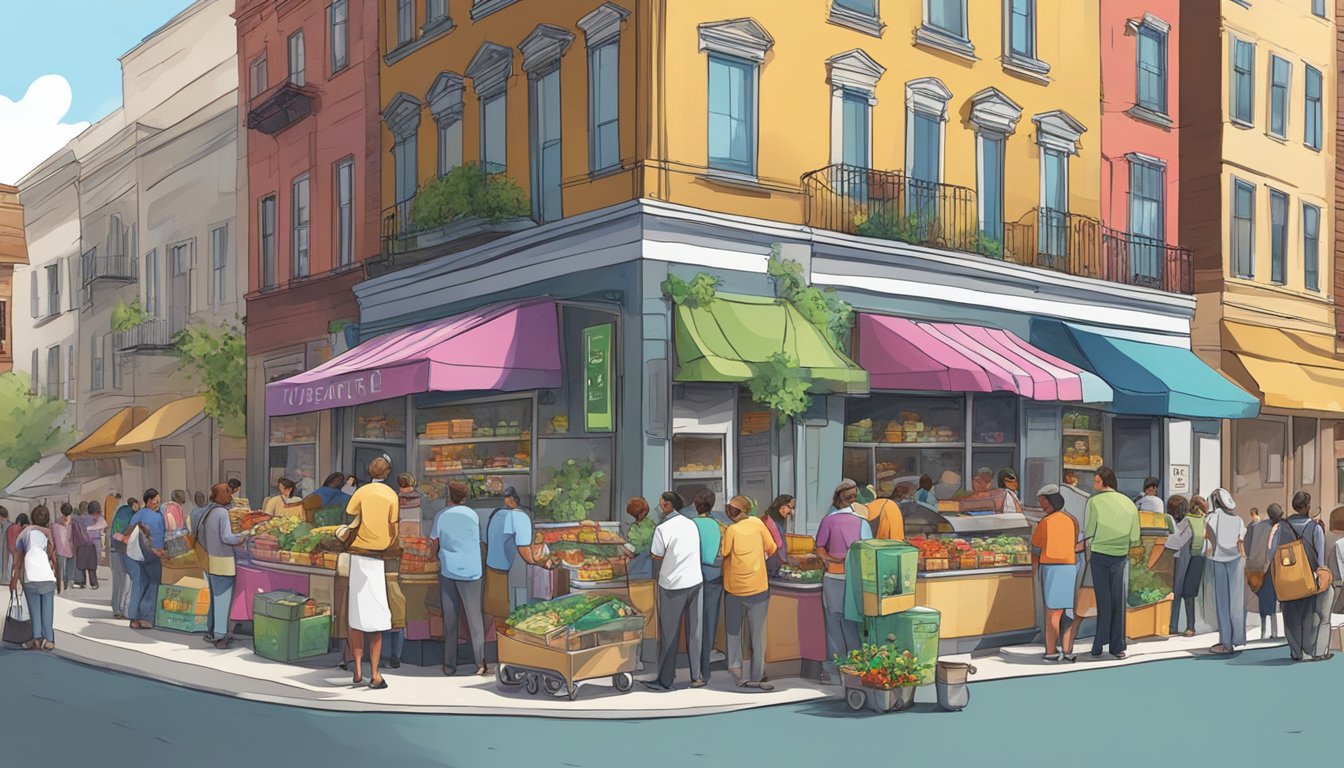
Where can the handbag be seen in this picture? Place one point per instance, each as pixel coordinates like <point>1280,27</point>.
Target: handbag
<point>1294,571</point>
<point>1255,579</point>
<point>18,623</point>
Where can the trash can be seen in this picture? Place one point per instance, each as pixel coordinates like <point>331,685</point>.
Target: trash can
<point>950,680</point>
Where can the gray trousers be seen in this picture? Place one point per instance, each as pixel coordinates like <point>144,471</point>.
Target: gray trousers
<point>1320,624</point>
<point>841,636</point>
<point>712,596</point>
<point>1229,594</point>
<point>121,582</point>
<point>454,596</point>
<point>1306,624</point>
<point>753,608</point>
<point>673,604</point>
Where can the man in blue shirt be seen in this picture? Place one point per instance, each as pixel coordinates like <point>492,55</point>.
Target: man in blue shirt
<point>711,567</point>
<point>457,536</point>
<point>148,572</point>
<point>508,536</point>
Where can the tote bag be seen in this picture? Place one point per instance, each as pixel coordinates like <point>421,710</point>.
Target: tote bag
<point>18,624</point>
<point>136,547</point>
<point>1293,569</point>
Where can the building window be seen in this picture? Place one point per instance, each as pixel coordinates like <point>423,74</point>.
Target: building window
<point>1278,237</point>
<point>546,168</point>
<point>450,146</point>
<point>96,345</point>
<point>1152,69</point>
<point>54,373</point>
<point>926,110</point>
<point>1311,131</point>
<point>604,106</point>
<point>403,121</point>
<point>34,297</point>
<point>853,78</point>
<point>116,361</point>
<point>340,34</point>
<point>219,263</point>
<point>947,16</point>
<point>864,7</point>
<point>1280,79</point>
<point>1022,29</point>
<point>405,21</point>
<point>33,372</point>
<point>732,114</point>
<point>1054,209</point>
<point>257,75</point>
<point>1318,8</point>
<point>436,11</point>
<point>180,296</point>
<point>1147,201</point>
<point>1311,246</point>
<point>296,58</point>
<point>54,288</point>
<point>1243,229</point>
<point>345,212</point>
<point>153,297</point>
<point>404,154</point>
<point>990,184</point>
<point>300,215</point>
<point>1243,81</point>
<point>70,373</point>
<point>494,128</point>
<point>266,233</point>
<point>855,122</point>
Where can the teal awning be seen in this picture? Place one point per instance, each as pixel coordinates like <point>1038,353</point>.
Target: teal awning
<point>1149,379</point>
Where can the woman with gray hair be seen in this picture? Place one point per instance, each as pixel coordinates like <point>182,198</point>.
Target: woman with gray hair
<point>1226,544</point>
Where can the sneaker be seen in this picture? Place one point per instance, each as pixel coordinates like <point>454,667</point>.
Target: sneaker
<point>395,663</point>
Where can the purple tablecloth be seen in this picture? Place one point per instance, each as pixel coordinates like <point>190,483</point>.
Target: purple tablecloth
<point>253,581</point>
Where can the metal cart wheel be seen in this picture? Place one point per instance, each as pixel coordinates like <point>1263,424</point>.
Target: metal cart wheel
<point>855,699</point>
<point>553,686</point>
<point>507,677</point>
<point>530,684</point>
<point>623,681</point>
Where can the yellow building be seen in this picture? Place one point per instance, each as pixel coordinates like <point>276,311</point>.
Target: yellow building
<point>738,106</point>
<point>1257,201</point>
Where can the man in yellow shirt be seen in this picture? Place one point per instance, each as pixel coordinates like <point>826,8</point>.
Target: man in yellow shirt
<point>376,512</point>
<point>746,545</point>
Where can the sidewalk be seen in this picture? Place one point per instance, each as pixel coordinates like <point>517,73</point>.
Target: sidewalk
<point>86,633</point>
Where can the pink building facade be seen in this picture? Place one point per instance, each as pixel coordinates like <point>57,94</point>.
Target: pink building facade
<point>1139,130</point>
<point>309,104</point>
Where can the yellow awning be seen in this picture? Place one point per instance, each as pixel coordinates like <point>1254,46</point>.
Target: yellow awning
<point>102,442</point>
<point>163,423</point>
<point>1292,369</point>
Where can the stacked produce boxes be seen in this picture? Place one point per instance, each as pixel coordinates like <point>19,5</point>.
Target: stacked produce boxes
<point>184,606</point>
<point>287,626</point>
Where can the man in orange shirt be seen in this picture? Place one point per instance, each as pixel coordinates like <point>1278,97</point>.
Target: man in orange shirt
<point>745,546</point>
<point>1056,544</point>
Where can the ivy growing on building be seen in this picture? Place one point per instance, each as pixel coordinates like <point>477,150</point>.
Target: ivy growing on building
<point>831,315</point>
<point>127,316</point>
<point>216,359</point>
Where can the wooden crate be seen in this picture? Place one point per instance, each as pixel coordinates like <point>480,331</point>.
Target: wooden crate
<point>1150,620</point>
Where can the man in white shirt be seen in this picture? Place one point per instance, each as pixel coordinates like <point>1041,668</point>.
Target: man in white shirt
<point>676,549</point>
<point>1150,501</point>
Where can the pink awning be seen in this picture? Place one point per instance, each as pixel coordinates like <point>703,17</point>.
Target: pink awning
<point>904,354</point>
<point>503,348</point>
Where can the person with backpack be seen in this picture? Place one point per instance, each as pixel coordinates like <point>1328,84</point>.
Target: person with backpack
<point>215,541</point>
<point>1308,634</point>
<point>1226,545</point>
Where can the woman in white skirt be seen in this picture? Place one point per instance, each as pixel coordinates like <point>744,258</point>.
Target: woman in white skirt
<point>375,508</point>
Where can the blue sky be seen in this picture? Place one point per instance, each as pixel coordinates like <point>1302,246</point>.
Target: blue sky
<point>79,40</point>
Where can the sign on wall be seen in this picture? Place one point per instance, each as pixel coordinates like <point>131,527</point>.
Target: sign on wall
<point>597,396</point>
<point>1179,479</point>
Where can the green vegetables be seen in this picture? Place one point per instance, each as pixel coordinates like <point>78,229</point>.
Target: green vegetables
<point>1145,586</point>
<point>329,516</point>
<point>583,612</point>
<point>571,493</point>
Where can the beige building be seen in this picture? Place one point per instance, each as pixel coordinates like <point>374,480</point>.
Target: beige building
<point>13,252</point>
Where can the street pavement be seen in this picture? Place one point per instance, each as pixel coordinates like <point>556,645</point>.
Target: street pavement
<point>1255,709</point>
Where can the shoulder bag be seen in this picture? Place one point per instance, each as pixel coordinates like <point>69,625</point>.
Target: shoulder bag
<point>18,623</point>
<point>1294,569</point>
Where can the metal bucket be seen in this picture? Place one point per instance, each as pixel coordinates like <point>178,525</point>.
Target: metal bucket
<point>950,681</point>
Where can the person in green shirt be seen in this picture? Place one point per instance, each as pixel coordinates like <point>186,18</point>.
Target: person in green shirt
<point>639,539</point>
<point>1112,536</point>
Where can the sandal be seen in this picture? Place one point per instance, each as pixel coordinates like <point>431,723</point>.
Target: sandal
<point>378,686</point>
<point>48,646</point>
<point>31,645</point>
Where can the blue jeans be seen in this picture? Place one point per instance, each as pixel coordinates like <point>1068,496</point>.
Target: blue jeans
<point>41,603</point>
<point>221,598</point>
<point>121,573</point>
<point>395,642</point>
<point>145,579</point>
<point>65,570</point>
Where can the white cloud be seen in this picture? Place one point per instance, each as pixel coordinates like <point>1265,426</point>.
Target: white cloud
<point>31,129</point>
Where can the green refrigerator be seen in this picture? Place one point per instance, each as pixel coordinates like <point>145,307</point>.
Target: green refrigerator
<point>915,630</point>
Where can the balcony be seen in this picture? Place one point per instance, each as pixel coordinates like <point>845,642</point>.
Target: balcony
<point>889,205</point>
<point>114,269</point>
<point>151,336</point>
<point>280,107</point>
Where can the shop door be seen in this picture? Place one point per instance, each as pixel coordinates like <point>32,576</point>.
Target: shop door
<point>1136,453</point>
<point>1307,458</point>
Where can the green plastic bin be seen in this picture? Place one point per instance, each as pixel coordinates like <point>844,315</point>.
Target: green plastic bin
<point>915,630</point>
<point>279,605</point>
<point>290,639</point>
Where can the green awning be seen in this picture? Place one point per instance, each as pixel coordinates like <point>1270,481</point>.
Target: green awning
<point>724,340</point>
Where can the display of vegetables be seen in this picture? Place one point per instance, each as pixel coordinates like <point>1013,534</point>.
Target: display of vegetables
<point>882,666</point>
<point>330,515</point>
<point>939,554</point>
<point>583,612</point>
<point>1145,586</point>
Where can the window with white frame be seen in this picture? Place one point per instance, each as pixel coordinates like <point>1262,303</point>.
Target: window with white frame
<point>299,216</point>
<point>945,27</point>
<point>865,7</point>
<point>1280,81</point>
<point>1311,247</point>
<point>296,58</point>
<point>34,295</point>
<point>1021,28</point>
<point>1243,229</point>
<point>489,71</point>
<point>53,288</point>
<point>1151,66</point>
<point>445,105</point>
<point>542,52</point>
<point>436,12</point>
<point>1243,81</point>
<point>1318,8</point>
<point>1057,135</point>
<point>97,344</point>
<point>602,36</point>
<point>735,51</point>
<point>1311,130</point>
<point>994,117</point>
<point>450,145</point>
<point>403,121</point>
<point>266,240</point>
<point>1278,237</point>
<point>256,75</point>
<point>405,21</point>
<point>853,78</point>
<point>494,125</point>
<point>153,297</point>
<point>861,15</point>
<point>219,263</point>
<point>117,361</point>
<point>340,34</point>
<point>70,379</point>
<point>54,372</point>
<point>116,239</point>
<point>345,212</point>
<point>926,103</point>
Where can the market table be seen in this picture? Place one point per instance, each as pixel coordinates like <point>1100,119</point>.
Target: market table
<point>975,603</point>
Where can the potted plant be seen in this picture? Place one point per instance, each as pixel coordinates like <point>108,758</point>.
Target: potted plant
<point>882,677</point>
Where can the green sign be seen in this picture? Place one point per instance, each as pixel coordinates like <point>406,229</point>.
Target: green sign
<point>597,378</point>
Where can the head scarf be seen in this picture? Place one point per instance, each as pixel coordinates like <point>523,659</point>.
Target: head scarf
<point>1220,499</point>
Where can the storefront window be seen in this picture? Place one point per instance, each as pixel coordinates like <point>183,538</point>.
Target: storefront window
<point>1135,455</point>
<point>755,462</point>
<point>1259,453</point>
<point>293,451</point>
<point>994,429</point>
<point>697,462</point>
<point>1083,443</point>
<point>379,429</point>
<point>486,445</point>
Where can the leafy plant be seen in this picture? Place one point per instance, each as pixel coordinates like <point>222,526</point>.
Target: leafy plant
<point>216,358</point>
<point>781,385</point>
<point>890,225</point>
<point>882,666</point>
<point>700,292</point>
<point>128,316</point>
<point>987,245</point>
<point>467,191</point>
<point>31,429</point>
<point>824,309</point>
<point>571,493</point>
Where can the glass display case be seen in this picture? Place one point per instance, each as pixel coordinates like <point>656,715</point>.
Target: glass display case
<point>887,576</point>
<point>697,462</point>
<point>1083,445</point>
<point>953,552</point>
<point>591,553</point>
<point>485,445</point>
<point>292,448</point>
